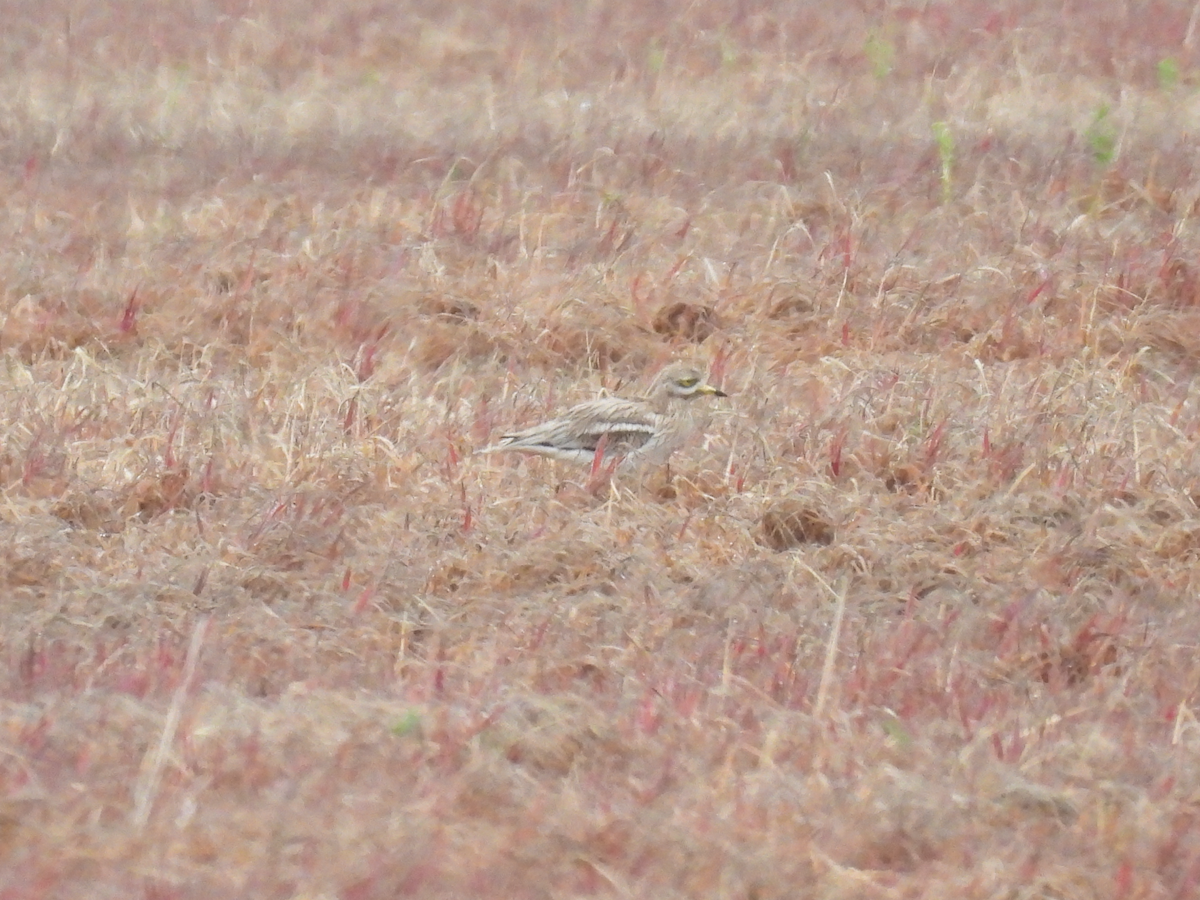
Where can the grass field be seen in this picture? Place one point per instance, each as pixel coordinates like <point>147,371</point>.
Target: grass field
<point>917,617</point>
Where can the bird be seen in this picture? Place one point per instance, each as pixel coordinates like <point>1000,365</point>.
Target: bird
<point>627,431</point>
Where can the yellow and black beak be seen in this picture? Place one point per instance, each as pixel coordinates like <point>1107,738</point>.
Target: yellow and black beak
<point>709,389</point>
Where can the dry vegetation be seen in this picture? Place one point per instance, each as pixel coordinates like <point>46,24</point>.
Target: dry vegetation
<point>918,618</point>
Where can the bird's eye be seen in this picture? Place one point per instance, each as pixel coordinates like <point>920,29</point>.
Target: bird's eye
<point>687,381</point>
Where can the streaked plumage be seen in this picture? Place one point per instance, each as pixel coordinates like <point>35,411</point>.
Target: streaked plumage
<point>634,431</point>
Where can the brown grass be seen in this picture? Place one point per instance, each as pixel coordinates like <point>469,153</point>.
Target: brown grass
<point>916,619</point>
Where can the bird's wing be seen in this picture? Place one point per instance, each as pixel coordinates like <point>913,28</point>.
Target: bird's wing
<point>627,424</point>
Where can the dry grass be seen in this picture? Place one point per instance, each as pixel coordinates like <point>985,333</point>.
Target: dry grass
<point>917,619</point>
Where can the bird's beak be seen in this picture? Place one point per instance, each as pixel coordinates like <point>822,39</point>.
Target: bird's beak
<point>716,392</point>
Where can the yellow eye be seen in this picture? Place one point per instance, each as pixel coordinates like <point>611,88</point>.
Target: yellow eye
<point>687,381</point>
